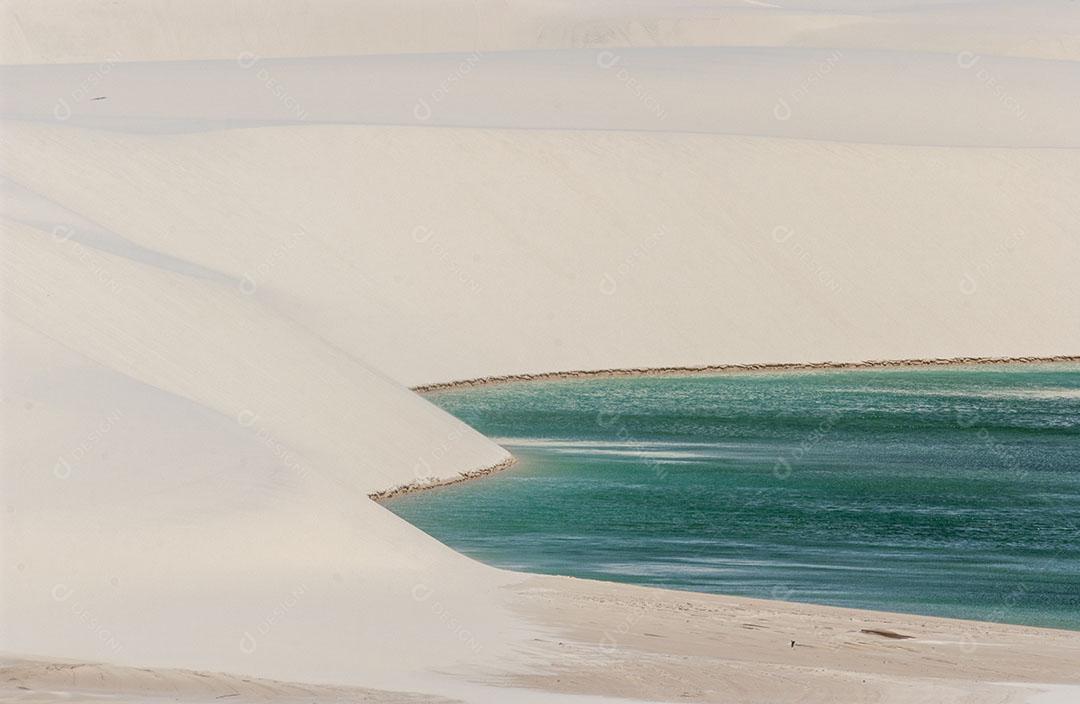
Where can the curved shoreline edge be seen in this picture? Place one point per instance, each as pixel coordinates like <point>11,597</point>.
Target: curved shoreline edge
<point>734,368</point>
<point>679,370</point>
<point>416,487</point>
<point>434,484</point>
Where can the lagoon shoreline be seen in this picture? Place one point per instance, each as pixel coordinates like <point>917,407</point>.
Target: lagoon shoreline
<point>469,475</point>
<point>741,368</point>
<point>417,487</point>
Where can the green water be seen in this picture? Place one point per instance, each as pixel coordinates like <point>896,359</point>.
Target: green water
<point>953,492</point>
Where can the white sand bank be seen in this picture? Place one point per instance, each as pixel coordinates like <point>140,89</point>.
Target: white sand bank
<point>885,252</point>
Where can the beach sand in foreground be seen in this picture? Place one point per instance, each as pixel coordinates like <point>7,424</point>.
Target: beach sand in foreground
<point>636,643</point>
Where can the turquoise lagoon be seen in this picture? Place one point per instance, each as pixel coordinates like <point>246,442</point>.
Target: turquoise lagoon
<point>950,491</point>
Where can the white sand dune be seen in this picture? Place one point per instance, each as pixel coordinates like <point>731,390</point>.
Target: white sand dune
<point>87,31</point>
<point>886,252</point>
<point>220,280</point>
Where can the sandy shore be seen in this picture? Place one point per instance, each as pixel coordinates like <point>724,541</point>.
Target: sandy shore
<point>48,681</point>
<point>744,368</point>
<point>664,645</point>
<point>421,485</point>
<point>626,643</point>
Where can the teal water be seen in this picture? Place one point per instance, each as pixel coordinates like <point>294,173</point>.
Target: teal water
<point>948,491</point>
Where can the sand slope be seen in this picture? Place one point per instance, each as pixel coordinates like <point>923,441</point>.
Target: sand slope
<point>557,250</point>
<point>164,442</point>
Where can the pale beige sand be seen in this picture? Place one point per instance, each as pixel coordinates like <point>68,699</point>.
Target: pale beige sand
<point>85,31</point>
<point>663,645</point>
<point>41,682</point>
<point>220,280</point>
<point>851,252</point>
<point>650,644</point>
